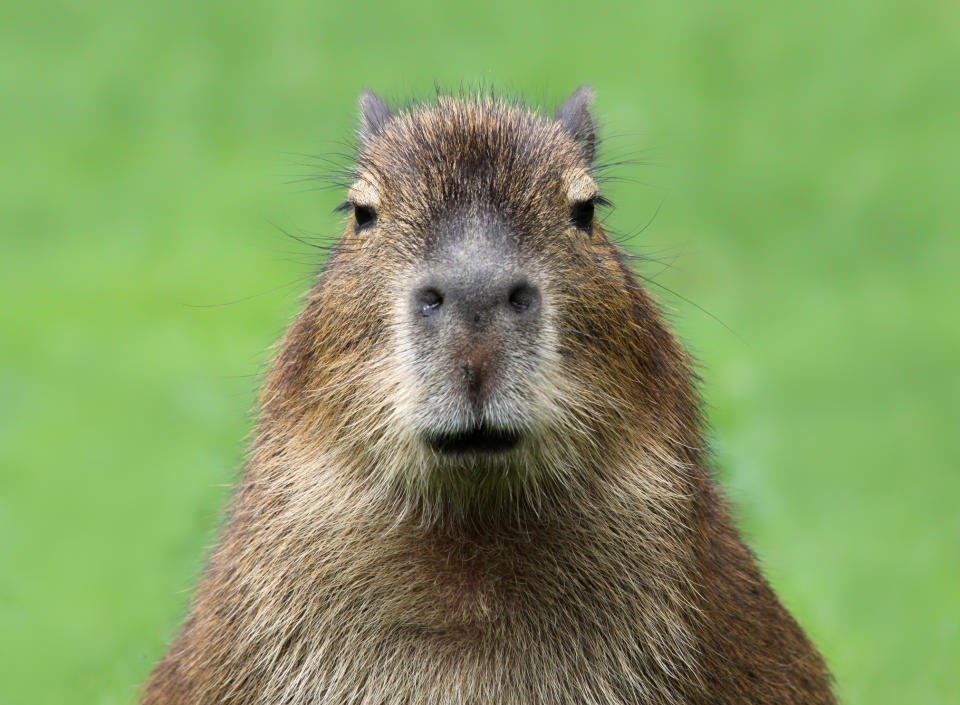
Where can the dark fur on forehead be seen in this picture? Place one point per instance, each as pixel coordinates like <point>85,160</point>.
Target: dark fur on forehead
<point>472,147</point>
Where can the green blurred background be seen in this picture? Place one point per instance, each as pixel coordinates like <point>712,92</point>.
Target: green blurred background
<point>802,162</point>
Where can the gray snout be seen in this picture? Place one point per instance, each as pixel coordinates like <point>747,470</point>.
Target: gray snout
<point>477,314</point>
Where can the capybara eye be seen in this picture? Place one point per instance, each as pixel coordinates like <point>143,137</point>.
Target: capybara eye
<point>582,214</point>
<point>364,215</point>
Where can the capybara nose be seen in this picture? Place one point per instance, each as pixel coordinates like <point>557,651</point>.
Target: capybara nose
<point>476,297</point>
<point>473,316</point>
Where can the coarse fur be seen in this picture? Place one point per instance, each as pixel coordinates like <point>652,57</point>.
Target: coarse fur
<point>594,563</point>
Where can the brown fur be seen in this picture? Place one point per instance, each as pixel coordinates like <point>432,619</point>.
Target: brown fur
<point>598,565</point>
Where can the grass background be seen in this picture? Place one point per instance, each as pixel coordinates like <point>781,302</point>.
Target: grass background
<point>802,164</point>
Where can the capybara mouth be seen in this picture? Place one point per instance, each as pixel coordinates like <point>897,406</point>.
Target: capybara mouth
<point>480,439</point>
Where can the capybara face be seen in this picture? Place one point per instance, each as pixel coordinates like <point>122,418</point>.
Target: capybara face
<point>492,323</point>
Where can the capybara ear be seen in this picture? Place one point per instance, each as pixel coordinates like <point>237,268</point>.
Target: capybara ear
<point>374,114</point>
<point>577,120</point>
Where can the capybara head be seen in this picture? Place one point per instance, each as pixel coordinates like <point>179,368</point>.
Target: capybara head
<point>476,336</point>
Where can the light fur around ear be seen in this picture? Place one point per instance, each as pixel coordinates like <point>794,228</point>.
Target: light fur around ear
<point>374,115</point>
<point>577,120</point>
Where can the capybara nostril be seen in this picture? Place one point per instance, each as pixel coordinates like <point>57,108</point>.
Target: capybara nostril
<point>428,300</point>
<point>524,298</point>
